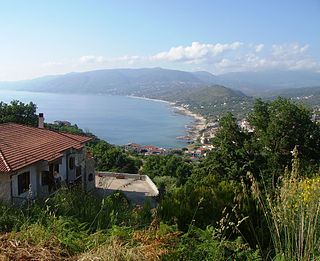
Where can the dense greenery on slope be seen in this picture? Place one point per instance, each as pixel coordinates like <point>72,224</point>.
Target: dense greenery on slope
<point>112,158</point>
<point>210,101</point>
<point>308,95</point>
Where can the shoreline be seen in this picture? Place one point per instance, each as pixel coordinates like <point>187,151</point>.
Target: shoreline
<point>194,129</point>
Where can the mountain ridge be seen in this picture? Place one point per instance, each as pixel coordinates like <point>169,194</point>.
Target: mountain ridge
<point>159,81</point>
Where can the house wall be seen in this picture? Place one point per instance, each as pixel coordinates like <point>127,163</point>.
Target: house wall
<point>79,160</point>
<point>39,190</point>
<point>5,188</point>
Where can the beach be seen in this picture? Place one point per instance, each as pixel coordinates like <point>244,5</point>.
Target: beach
<point>194,129</point>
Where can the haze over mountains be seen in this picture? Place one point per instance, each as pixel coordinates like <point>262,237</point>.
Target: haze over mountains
<point>158,82</point>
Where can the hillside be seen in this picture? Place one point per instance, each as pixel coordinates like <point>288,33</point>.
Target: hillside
<point>212,101</point>
<point>307,95</point>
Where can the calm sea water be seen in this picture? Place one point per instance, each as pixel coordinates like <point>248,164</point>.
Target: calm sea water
<point>116,119</point>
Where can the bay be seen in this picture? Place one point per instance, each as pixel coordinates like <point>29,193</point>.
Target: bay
<point>116,119</point>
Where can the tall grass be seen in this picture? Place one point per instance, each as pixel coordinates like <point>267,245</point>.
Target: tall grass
<point>293,214</point>
<point>69,223</point>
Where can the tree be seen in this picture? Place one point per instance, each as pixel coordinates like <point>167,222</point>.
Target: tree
<point>110,158</point>
<point>233,155</point>
<point>18,112</point>
<point>279,126</point>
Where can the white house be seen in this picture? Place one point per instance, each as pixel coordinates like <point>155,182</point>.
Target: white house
<point>35,162</point>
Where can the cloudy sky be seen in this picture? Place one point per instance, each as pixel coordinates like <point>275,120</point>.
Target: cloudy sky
<point>41,37</point>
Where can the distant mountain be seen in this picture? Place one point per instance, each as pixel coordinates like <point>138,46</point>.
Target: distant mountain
<point>112,81</point>
<point>256,83</point>
<point>307,95</point>
<point>158,82</point>
<point>295,92</point>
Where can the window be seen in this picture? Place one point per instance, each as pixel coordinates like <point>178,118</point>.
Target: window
<point>90,177</point>
<point>71,163</point>
<point>23,182</point>
<point>56,167</point>
<point>78,171</point>
<point>44,178</point>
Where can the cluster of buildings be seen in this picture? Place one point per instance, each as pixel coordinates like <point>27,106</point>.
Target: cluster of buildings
<point>145,150</point>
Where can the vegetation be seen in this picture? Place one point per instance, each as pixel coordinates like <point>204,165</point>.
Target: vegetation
<point>112,158</point>
<point>255,196</point>
<point>18,112</point>
<point>73,129</point>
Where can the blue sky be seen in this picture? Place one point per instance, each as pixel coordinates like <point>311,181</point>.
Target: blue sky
<point>53,37</point>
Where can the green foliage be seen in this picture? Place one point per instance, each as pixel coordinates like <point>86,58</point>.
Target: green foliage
<point>10,218</point>
<point>281,125</point>
<point>293,214</point>
<point>206,244</point>
<point>72,220</point>
<point>18,112</point>
<point>234,152</point>
<point>111,158</point>
<point>198,203</point>
<point>169,165</point>
<point>73,129</point>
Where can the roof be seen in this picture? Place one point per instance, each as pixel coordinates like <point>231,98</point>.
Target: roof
<point>22,145</point>
<point>150,147</point>
<point>80,138</point>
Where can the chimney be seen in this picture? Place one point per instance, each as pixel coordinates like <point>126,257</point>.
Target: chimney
<point>41,121</point>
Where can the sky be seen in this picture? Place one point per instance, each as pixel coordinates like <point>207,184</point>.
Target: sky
<point>42,37</point>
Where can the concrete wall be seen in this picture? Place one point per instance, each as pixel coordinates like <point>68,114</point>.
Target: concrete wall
<point>131,176</point>
<point>5,188</point>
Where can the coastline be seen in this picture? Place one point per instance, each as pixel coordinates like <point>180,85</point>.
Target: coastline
<point>194,129</point>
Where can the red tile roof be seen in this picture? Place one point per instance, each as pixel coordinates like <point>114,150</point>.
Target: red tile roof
<point>80,138</point>
<point>22,145</point>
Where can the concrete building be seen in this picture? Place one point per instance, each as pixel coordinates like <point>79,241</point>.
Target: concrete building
<point>35,162</point>
<point>137,188</point>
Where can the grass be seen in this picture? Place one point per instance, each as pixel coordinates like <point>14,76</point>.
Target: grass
<point>292,213</point>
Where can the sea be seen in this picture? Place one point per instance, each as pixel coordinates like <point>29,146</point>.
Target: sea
<point>117,119</point>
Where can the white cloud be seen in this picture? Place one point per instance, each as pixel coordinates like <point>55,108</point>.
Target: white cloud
<point>51,64</point>
<point>259,47</point>
<point>196,52</point>
<point>91,59</point>
<point>213,57</point>
<point>292,49</point>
